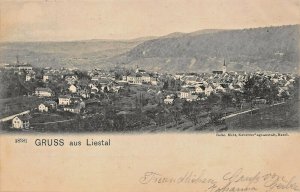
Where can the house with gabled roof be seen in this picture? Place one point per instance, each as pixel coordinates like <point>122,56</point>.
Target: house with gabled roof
<point>75,107</point>
<point>200,89</point>
<point>186,92</point>
<point>29,76</point>
<point>47,105</point>
<point>72,88</point>
<point>134,78</point>
<point>21,122</point>
<point>208,90</point>
<point>169,100</point>
<point>43,92</point>
<point>64,100</point>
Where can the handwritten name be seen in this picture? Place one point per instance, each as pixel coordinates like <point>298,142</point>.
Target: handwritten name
<point>233,181</point>
<point>189,177</point>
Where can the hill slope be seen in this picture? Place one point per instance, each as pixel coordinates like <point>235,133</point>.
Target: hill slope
<point>269,48</point>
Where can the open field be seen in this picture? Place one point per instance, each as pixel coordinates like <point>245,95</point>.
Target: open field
<point>10,106</point>
<point>284,116</point>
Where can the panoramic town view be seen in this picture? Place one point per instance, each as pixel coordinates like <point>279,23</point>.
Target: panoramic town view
<point>203,81</point>
<point>133,99</point>
<point>144,66</point>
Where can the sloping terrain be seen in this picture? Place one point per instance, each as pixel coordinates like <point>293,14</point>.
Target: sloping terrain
<point>268,48</point>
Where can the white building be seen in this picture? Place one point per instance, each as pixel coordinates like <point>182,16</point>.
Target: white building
<point>21,122</point>
<point>208,90</point>
<point>64,100</point>
<point>75,108</point>
<point>43,92</point>
<point>29,76</point>
<point>73,89</point>
<point>43,108</point>
<point>185,93</point>
<point>135,79</point>
<point>23,67</point>
<point>199,89</point>
<point>169,100</point>
<point>47,105</point>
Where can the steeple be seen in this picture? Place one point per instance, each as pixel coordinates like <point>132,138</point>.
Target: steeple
<point>224,67</point>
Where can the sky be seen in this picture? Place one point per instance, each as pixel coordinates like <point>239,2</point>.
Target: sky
<point>67,20</point>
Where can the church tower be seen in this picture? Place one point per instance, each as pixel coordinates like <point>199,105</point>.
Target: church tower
<point>224,67</point>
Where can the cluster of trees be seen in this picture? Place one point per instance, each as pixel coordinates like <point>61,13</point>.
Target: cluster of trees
<point>12,85</point>
<point>260,87</point>
<point>172,84</point>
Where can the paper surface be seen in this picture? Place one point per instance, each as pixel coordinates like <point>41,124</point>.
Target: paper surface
<point>264,160</point>
<point>123,165</point>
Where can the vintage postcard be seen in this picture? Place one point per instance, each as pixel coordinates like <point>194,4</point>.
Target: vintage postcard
<point>149,95</point>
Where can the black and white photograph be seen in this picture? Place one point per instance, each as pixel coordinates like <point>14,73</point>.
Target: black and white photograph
<point>62,72</point>
<point>149,95</point>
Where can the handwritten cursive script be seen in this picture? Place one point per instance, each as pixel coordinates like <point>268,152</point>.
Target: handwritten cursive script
<point>189,177</point>
<point>232,181</point>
